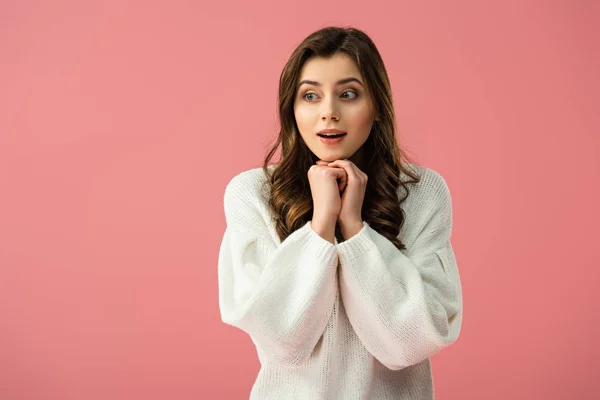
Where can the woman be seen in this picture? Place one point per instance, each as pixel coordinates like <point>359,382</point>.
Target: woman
<point>337,261</point>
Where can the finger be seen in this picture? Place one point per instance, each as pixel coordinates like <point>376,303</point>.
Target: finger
<point>360,174</point>
<point>348,166</point>
<point>343,182</point>
<point>342,186</point>
<point>357,172</point>
<point>341,177</point>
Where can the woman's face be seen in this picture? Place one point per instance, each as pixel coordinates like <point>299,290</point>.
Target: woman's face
<point>325,103</point>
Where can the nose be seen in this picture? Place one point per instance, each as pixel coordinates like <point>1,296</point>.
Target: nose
<point>329,112</point>
<point>330,116</point>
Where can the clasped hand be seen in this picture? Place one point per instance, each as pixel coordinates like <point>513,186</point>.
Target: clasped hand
<point>352,189</point>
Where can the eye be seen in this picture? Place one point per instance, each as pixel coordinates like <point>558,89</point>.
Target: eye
<point>307,94</point>
<point>353,92</point>
<point>347,91</point>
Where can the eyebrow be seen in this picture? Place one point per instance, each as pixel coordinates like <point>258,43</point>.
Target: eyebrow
<point>340,82</point>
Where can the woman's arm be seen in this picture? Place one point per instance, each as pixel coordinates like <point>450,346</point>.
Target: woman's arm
<point>403,307</point>
<point>281,295</point>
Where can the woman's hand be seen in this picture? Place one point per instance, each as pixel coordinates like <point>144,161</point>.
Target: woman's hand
<point>325,193</point>
<point>352,188</point>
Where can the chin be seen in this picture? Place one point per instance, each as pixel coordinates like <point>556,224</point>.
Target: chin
<point>332,155</point>
<point>331,158</point>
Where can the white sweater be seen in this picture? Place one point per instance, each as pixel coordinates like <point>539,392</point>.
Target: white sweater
<point>352,320</point>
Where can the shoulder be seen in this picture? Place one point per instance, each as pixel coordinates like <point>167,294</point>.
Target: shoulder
<point>428,205</point>
<point>251,182</point>
<point>246,194</point>
<point>432,189</point>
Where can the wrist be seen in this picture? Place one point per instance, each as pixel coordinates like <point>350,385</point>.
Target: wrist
<point>350,228</point>
<point>324,229</point>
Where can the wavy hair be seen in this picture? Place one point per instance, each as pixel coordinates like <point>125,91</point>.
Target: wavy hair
<point>290,198</point>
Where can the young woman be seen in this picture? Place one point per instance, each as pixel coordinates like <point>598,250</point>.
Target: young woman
<point>337,261</point>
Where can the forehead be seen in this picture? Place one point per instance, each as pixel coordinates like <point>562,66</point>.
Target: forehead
<point>329,70</point>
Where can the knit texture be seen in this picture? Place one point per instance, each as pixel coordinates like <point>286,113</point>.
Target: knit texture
<point>352,320</point>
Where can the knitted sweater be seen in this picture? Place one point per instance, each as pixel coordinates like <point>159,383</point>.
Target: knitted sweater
<point>352,320</point>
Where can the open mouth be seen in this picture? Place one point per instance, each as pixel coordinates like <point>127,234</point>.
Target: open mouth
<point>331,136</point>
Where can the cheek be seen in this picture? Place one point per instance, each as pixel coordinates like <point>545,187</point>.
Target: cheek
<point>362,120</point>
<point>306,121</point>
<point>303,115</point>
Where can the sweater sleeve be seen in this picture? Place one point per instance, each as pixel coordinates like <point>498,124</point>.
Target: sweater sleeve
<point>281,294</point>
<point>404,307</point>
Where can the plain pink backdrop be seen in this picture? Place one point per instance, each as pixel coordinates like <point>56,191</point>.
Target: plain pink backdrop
<point>122,122</point>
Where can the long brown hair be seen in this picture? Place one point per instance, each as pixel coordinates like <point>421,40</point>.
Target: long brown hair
<point>290,197</point>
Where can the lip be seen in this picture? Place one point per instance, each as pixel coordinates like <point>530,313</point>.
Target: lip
<point>330,131</point>
<point>332,141</point>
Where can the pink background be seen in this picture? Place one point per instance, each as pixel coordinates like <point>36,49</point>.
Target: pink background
<point>121,123</point>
